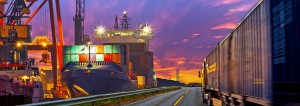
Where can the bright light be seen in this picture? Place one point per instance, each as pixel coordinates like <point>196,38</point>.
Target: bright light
<point>147,29</point>
<point>89,43</point>
<point>124,12</point>
<point>25,77</point>
<point>19,44</point>
<point>99,30</point>
<point>44,44</point>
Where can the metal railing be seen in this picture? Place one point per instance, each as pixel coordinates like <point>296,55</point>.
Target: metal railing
<point>96,98</point>
<point>71,64</point>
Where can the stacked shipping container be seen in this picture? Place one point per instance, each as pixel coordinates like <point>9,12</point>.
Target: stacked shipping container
<point>79,53</point>
<point>141,62</point>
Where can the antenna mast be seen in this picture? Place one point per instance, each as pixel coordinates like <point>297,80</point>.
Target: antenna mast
<point>116,26</point>
<point>125,21</point>
<point>79,21</point>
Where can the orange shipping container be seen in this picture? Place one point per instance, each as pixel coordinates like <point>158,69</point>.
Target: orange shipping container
<point>99,49</point>
<point>116,58</point>
<point>83,57</point>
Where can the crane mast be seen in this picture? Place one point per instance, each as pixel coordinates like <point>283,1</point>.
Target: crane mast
<point>79,21</point>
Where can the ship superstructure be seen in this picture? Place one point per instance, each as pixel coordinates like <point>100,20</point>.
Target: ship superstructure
<point>140,57</point>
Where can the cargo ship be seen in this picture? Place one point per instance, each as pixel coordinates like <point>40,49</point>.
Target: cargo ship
<point>20,78</point>
<point>122,62</point>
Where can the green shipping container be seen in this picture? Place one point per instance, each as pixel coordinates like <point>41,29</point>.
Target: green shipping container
<point>67,50</point>
<point>67,59</point>
<point>74,58</point>
<point>116,49</point>
<point>77,49</point>
<point>107,48</point>
<point>99,57</point>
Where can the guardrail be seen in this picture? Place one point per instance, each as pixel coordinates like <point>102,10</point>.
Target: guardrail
<point>104,99</point>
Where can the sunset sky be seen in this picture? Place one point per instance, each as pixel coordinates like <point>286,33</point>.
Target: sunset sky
<point>185,30</point>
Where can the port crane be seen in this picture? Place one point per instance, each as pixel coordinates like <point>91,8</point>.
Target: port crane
<point>18,10</point>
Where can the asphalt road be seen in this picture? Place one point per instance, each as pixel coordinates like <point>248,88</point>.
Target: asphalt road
<point>186,96</point>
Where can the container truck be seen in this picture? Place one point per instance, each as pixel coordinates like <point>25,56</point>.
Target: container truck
<point>258,62</point>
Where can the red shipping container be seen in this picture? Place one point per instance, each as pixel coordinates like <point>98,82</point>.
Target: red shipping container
<point>83,57</point>
<point>107,57</point>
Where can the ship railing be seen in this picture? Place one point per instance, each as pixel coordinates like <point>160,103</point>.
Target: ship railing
<point>94,99</point>
<point>71,64</point>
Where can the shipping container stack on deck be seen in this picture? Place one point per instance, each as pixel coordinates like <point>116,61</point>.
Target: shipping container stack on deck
<point>257,63</point>
<point>141,64</point>
<point>107,52</point>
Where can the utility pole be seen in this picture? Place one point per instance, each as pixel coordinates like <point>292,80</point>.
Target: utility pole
<point>177,75</point>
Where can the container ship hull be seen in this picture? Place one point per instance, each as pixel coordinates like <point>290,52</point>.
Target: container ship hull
<point>100,79</point>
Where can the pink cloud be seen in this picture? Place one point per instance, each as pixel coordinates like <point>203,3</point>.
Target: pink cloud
<point>185,40</point>
<point>195,35</point>
<point>229,25</point>
<point>217,37</point>
<point>222,2</point>
<point>238,9</point>
<point>201,46</point>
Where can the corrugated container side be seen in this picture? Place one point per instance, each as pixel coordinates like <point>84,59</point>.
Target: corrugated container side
<point>67,59</point>
<point>107,57</point>
<point>108,49</point>
<point>99,57</point>
<point>116,58</point>
<point>224,65</point>
<point>93,57</point>
<point>141,47</point>
<point>212,70</point>
<point>76,49</point>
<point>245,56</point>
<point>116,49</point>
<point>83,57</point>
<point>99,49</point>
<point>66,49</point>
<point>75,58</point>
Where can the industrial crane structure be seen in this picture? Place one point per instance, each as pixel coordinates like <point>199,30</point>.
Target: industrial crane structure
<point>79,22</point>
<point>16,11</point>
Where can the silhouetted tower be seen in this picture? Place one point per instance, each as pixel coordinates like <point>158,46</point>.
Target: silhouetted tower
<point>125,21</point>
<point>116,26</point>
<point>79,21</point>
<point>177,75</point>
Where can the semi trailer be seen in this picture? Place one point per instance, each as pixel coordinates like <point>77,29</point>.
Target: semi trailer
<point>258,62</point>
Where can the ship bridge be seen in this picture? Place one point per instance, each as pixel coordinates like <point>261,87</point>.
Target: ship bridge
<point>140,35</point>
<point>128,35</point>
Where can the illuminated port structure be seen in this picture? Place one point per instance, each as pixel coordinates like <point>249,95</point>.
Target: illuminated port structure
<point>141,59</point>
<point>141,35</point>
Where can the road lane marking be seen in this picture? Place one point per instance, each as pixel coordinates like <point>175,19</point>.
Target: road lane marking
<point>178,100</point>
<point>188,91</point>
<point>182,97</point>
